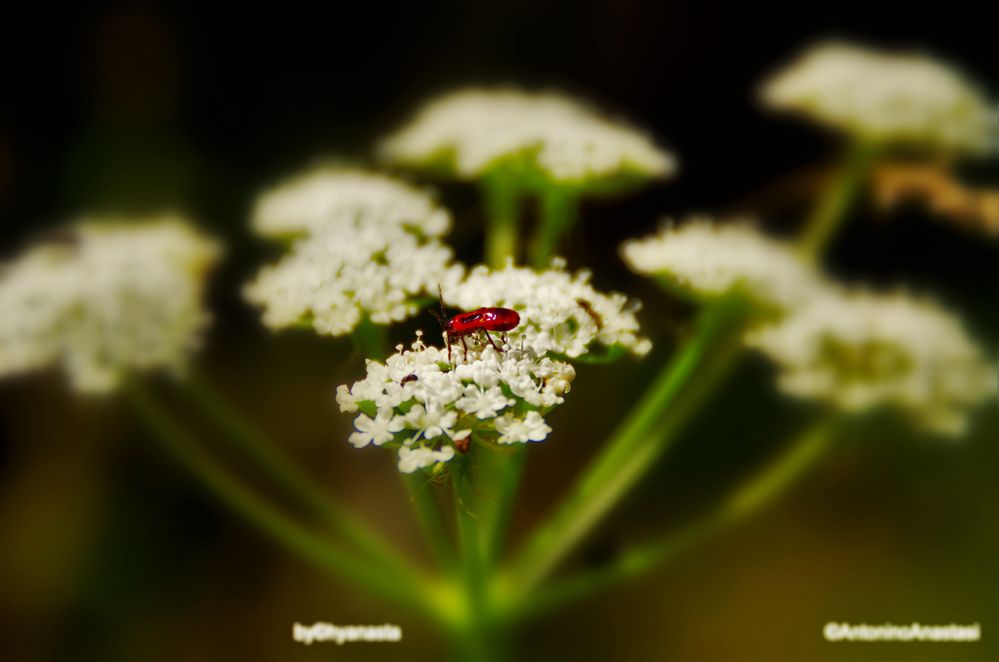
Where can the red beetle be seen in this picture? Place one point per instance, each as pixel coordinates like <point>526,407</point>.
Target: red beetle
<point>480,319</point>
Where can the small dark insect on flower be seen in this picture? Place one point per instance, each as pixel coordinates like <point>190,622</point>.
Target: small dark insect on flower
<point>411,377</point>
<point>462,445</point>
<point>480,319</point>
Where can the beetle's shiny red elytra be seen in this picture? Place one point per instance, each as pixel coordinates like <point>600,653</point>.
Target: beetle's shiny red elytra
<point>486,319</point>
<point>480,319</point>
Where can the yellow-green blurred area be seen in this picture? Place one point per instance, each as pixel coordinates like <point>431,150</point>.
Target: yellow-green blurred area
<point>110,551</point>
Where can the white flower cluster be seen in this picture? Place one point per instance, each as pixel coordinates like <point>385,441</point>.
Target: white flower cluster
<point>429,408</point>
<point>551,136</point>
<point>887,97</point>
<point>368,246</point>
<point>105,297</point>
<point>326,195</point>
<point>709,259</point>
<point>859,349</point>
<point>559,312</point>
<point>855,350</point>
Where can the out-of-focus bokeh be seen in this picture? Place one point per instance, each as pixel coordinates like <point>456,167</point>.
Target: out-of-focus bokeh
<point>110,551</point>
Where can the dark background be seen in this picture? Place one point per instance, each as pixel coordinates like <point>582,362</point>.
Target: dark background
<point>111,552</point>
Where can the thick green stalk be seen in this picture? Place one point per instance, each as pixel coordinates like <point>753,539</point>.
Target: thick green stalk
<point>837,199</point>
<point>296,538</point>
<point>469,536</point>
<point>751,497</point>
<point>473,631</point>
<point>635,446</point>
<point>558,213</point>
<point>497,478</point>
<point>273,463</point>
<point>500,196</point>
<point>427,512</point>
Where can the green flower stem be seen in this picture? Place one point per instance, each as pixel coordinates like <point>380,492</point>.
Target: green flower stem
<point>500,195</point>
<point>671,399</point>
<point>266,457</point>
<point>369,339</point>
<point>837,199</point>
<point>473,634</point>
<point>427,512</point>
<point>745,501</point>
<point>419,597</point>
<point>559,207</point>
<point>646,433</point>
<point>498,474</point>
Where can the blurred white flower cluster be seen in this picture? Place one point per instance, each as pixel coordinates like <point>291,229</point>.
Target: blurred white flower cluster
<point>855,350</point>
<point>310,202</point>
<point>707,259</point>
<point>429,408</point>
<point>904,98</point>
<point>858,349</point>
<point>560,312</point>
<point>540,135</point>
<point>366,245</point>
<point>106,297</point>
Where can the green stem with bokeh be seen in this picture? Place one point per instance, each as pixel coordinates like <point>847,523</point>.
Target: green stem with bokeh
<point>428,514</point>
<point>558,207</point>
<point>836,200</point>
<point>404,591</point>
<point>501,198</point>
<point>273,463</point>
<point>498,472</point>
<point>751,497</point>
<point>684,384</point>
<point>474,630</point>
<point>370,340</point>
<point>637,444</point>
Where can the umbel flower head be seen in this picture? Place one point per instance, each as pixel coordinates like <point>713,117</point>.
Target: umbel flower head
<point>538,138</point>
<point>105,297</point>
<point>428,408</point>
<point>335,194</point>
<point>365,245</point>
<point>857,350</point>
<point>897,98</point>
<point>559,312</point>
<point>707,260</point>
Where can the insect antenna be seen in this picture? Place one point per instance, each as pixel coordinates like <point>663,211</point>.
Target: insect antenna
<point>441,316</point>
<point>440,295</point>
<point>442,319</point>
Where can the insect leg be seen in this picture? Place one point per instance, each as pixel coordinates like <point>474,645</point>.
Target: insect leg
<point>465,346</point>
<point>489,338</point>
